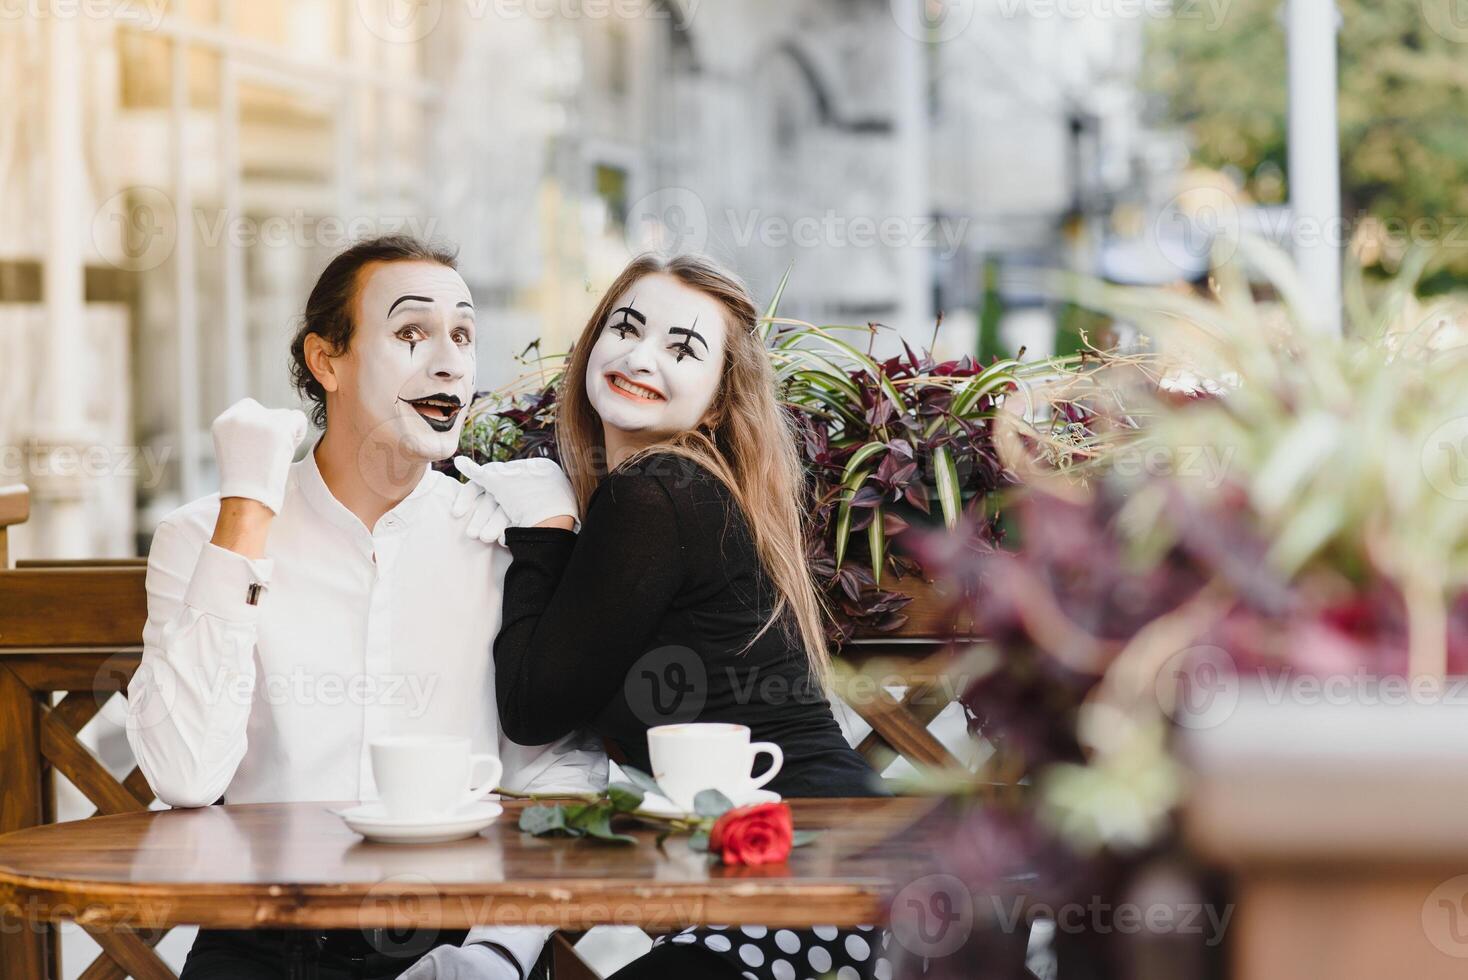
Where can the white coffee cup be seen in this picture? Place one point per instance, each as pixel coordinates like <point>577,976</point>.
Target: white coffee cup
<point>687,759</point>
<point>428,776</point>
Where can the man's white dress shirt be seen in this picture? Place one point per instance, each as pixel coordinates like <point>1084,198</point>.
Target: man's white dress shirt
<point>355,634</point>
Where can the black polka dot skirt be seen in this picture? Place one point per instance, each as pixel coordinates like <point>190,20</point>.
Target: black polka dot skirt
<point>794,954</point>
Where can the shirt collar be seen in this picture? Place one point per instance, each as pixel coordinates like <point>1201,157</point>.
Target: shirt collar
<point>321,499</point>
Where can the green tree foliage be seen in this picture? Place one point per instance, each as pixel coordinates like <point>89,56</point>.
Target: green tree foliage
<point>1403,108</point>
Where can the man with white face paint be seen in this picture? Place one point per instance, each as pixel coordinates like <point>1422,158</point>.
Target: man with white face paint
<point>350,573</point>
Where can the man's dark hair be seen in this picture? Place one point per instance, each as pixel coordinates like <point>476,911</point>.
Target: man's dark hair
<point>331,307</point>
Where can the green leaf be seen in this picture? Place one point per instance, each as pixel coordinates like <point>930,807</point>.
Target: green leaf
<point>711,803</point>
<point>576,815</point>
<point>824,375</point>
<point>625,797</point>
<point>997,375</point>
<point>540,820</point>
<point>843,514</point>
<point>854,464</point>
<point>877,543</point>
<point>699,841</point>
<point>803,837</point>
<point>820,371</point>
<point>804,395</point>
<point>767,321</point>
<point>642,780</point>
<point>948,492</point>
<point>597,823</point>
<point>866,363</point>
<point>604,832</point>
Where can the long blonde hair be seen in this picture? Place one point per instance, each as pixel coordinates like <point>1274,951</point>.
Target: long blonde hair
<point>746,440</point>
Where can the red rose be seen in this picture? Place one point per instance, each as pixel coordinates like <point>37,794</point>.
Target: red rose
<point>760,834</point>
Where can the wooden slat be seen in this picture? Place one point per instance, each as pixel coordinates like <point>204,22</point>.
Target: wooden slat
<point>48,815</point>
<point>566,963</point>
<point>15,505</point>
<point>97,671</point>
<point>22,951</point>
<point>105,967</point>
<point>137,784</point>
<point>931,615</point>
<point>900,730</point>
<point>132,954</point>
<point>84,607</point>
<point>922,705</point>
<point>76,709</point>
<point>34,563</point>
<point>71,759</point>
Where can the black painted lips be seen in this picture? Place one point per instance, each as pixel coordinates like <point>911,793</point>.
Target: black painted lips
<point>440,411</point>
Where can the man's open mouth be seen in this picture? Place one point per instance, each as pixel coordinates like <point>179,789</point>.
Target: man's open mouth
<point>622,385</point>
<point>439,411</point>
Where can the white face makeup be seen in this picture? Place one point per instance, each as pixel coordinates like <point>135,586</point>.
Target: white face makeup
<point>408,376</point>
<point>656,365</point>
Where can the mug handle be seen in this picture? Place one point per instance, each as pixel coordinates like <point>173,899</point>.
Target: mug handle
<point>479,792</point>
<point>777,757</point>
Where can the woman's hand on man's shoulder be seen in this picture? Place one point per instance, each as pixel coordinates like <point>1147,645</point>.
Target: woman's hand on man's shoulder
<point>518,493</point>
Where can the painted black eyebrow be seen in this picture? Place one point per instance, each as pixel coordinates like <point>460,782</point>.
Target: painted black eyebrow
<point>630,311</point>
<point>404,299</point>
<point>691,334</point>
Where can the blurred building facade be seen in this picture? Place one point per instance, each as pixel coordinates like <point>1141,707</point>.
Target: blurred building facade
<point>186,167</point>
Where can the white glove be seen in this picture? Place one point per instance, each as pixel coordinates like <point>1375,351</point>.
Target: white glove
<point>487,520</point>
<point>463,963</point>
<point>528,491</point>
<point>254,446</point>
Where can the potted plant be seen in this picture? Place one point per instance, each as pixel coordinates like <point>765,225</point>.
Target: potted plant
<point>890,446</point>
<point>1146,618</point>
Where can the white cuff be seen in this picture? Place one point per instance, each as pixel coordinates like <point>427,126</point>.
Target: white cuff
<point>524,943</point>
<point>221,584</point>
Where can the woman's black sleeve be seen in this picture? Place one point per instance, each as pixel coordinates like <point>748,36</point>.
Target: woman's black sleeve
<point>579,609</point>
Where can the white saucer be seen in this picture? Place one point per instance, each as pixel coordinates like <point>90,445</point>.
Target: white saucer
<point>661,806</point>
<point>372,822</point>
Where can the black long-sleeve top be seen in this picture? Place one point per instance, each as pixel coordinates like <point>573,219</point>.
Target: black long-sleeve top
<point>645,618</point>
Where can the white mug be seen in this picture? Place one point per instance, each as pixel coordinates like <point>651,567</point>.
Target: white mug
<point>687,759</point>
<point>428,776</point>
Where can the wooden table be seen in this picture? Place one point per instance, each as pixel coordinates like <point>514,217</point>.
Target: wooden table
<point>296,865</point>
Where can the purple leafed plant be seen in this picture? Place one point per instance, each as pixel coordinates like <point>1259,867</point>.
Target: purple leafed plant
<point>890,445</point>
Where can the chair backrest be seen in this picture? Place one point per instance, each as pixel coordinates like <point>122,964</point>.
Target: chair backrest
<point>74,629</point>
<point>15,508</point>
<point>936,620</point>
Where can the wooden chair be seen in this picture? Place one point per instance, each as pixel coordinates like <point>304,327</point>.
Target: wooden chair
<point>75,627</point>
<point>77,631</point>
<point>900,725</point>
<point>15,508</point>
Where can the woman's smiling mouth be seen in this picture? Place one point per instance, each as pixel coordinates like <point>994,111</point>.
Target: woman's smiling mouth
<point>628,388</point>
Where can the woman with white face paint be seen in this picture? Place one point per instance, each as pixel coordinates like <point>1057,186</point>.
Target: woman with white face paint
<point>686,596</point>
